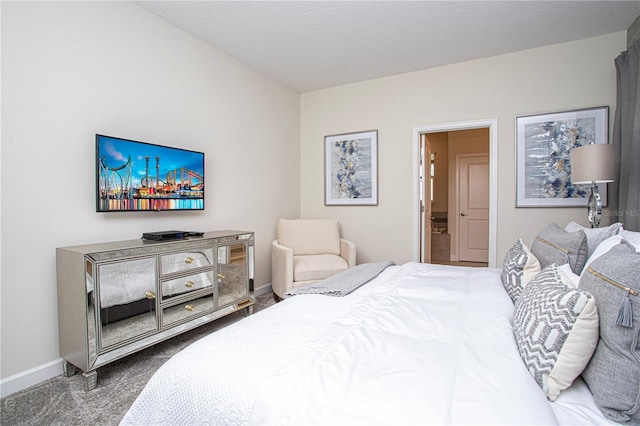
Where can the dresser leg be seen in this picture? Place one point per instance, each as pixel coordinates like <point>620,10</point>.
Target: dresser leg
<point>249,310</point>
<point>90,380</point>
<point>69,369</point>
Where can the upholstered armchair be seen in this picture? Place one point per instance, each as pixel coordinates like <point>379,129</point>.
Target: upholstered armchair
<point>307,251</point>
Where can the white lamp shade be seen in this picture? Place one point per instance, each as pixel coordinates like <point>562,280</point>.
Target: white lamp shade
<point>592,163</point>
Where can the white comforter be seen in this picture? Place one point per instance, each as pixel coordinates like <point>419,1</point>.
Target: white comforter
<point>420,344</point>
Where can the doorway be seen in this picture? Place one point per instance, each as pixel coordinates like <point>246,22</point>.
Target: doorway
<point>422,222</point>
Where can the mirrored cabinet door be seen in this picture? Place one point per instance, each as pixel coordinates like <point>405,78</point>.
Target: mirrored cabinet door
<point>127,300</point>
<point>232,273</point>
<point>92,314</point>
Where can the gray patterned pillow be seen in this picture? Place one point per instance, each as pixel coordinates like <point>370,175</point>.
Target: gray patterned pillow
<point>554,245</point>
<point>613,374</point>
<point>556,330</point>
<point>520,266</point>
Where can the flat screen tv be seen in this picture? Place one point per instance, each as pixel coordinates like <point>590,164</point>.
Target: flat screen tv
<point>139,176</point>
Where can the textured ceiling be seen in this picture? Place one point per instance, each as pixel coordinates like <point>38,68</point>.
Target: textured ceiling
<point>309,45</point>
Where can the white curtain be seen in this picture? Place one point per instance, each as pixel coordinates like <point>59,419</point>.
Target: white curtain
<point>625,191</point>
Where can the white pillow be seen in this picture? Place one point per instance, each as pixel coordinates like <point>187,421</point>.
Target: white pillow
<point>570,278</point>
<point>603,248</point>
<point>632,237</point>
<point>594,235</point>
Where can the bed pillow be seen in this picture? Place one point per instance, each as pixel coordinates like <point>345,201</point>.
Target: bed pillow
<point>520,266</point>
<point>632,237</point>
<point>594,235</point>
<point>556,330</point>
<point>603,248</point>
<point>555,245</point>
<point>572,278</point>
<point>613,374</point>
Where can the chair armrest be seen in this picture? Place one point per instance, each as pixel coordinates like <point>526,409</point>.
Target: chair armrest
<point>348,252</point>
<point>281,269</point>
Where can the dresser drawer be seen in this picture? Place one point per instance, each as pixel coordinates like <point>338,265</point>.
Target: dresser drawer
<point>178,286</point>
<point>192,308</point>
<point>185,261</point>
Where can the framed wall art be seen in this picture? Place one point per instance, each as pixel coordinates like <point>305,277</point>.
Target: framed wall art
<point>351,169</point>
<point>543,148</point>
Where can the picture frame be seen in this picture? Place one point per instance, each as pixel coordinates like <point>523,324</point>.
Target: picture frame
<point>351,169</point>
<point>543,150</point>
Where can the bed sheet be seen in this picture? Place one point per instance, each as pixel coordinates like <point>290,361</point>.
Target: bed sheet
<point>316,359</point>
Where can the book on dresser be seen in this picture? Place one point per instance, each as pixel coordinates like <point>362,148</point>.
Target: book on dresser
<point>116,298</point>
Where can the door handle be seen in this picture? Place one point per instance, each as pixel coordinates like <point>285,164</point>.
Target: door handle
<point>463,214</point>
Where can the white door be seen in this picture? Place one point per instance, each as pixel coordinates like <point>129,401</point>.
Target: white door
<point>473,208</point>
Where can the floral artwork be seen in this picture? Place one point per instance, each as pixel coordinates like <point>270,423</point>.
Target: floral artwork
<point>544,155</point>
<point>351,175</point>
<point>548,148</point>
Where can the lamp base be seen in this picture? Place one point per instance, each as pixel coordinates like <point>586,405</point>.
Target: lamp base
<point>594,208</point>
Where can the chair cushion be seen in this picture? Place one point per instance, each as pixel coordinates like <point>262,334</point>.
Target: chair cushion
<point>310,236</point>
<point>317,267</point>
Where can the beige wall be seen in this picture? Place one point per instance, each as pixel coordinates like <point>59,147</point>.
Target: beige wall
<point>554,78</point>
<point>73,69</point>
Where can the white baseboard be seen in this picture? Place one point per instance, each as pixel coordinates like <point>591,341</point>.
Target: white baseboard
<point>259,291</point>
<point>33,376</point>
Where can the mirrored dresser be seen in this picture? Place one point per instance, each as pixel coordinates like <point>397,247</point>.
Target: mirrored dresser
<point>119,297</point>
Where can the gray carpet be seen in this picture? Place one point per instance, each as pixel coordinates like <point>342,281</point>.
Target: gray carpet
<point>63,401</point>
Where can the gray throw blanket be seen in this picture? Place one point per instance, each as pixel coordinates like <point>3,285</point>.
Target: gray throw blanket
<point>344,282</point>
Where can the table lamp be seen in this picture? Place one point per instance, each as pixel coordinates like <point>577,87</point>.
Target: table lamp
<point>593,164</point>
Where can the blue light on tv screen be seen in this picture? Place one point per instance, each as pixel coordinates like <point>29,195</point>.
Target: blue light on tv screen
<point>138,176</point>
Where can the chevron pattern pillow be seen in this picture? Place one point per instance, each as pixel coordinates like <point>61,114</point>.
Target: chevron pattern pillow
<point>556,329</point>
<point>520,266</point>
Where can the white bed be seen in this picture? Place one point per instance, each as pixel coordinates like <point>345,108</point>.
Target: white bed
<point>420,344</point>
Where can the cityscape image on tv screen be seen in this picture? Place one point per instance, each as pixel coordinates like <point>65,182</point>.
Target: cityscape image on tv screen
<point>139,176</point>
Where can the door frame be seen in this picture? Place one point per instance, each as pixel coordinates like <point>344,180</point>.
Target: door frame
<point>492,125</point>
<point>425,182</point>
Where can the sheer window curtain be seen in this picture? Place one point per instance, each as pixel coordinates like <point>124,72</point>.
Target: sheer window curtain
<point>625,191</point>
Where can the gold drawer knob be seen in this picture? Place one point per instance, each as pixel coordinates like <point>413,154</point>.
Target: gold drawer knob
<point>150,295</point>
<point>221,276</point>
<point>189,308</point>
<point>188,284</point>
<point>188,260</point>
